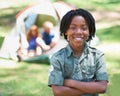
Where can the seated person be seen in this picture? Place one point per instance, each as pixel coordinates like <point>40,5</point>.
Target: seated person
<point>47,35</point>
<point>32,35</point>
<point>35,44</point>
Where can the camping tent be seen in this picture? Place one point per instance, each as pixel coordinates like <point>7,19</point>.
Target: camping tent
<point>35,14</point>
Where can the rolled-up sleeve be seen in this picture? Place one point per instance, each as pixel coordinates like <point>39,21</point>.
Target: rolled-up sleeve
<point>101,73</point>
<point>55,75</point>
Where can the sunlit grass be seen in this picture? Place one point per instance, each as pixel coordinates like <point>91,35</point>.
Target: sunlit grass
<point>113,67</point>
<point>26,80</point>
<point>110,42</point>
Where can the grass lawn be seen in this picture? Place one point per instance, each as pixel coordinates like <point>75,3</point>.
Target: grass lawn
<point>110,43</point>
<point>24,79</point>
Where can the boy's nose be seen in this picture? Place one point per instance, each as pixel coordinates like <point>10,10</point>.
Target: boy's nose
<point>79,31</point>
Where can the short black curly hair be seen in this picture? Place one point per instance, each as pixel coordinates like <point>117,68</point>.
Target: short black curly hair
<point>67,18</point>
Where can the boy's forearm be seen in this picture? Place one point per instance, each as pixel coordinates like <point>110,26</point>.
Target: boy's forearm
<point>65,91</point>
<point>87,87</point>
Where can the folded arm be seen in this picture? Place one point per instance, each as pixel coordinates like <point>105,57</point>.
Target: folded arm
<point>87,87</point>
<point>65,91</point>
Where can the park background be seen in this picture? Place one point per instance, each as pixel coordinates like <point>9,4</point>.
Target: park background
<point>24,79</point>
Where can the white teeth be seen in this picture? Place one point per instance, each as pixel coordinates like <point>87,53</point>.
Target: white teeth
<point>78,38</point>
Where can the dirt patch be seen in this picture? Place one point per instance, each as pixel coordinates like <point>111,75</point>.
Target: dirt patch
<point>106,19</point>
<point>106,15</point>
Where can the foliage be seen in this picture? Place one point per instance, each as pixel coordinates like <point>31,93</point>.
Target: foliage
<point>109,34</point>
<point>1,40</point>
<point>95,4</point>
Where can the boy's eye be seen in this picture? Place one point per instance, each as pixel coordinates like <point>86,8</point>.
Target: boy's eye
<point>75,28</point>
<point>72,28</point>
<point>84,28</point>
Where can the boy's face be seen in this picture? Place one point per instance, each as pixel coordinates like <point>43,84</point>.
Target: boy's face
<point>78,32</point>
<point>47,30</point>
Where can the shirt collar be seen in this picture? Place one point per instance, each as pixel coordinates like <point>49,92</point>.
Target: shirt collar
<point>70,51</point>
<point>86,49</point>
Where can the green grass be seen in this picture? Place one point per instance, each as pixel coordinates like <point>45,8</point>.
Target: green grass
<point>113,66</point>
<point>27,80</point>
<point>1,40</point>
<point>109,34</point>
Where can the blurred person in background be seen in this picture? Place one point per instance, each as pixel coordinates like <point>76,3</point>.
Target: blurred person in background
<point>35,44</point>
<point>47,34</point>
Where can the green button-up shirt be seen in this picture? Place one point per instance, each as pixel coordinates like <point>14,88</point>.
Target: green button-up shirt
<point>90,66</point>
